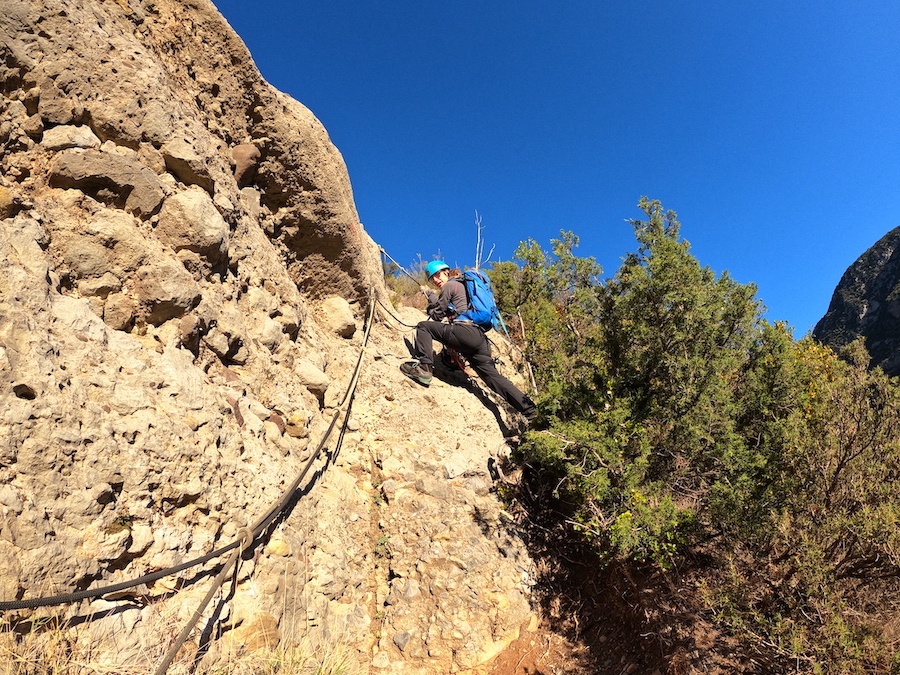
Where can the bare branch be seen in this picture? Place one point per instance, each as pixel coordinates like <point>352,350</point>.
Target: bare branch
<point>479,240</point>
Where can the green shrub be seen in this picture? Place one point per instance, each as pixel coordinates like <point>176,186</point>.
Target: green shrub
<point>676,416</point>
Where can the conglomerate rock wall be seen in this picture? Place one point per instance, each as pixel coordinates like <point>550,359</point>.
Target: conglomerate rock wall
<point>183,287</point>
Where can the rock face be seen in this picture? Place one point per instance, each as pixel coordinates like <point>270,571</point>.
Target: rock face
<point>866,303</point>
<point>183,286</point>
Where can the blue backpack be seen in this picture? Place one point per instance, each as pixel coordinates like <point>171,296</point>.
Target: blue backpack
<point>483,310</point>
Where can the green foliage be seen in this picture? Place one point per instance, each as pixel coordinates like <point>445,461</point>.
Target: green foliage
<point>677,416</point>
<point>636,374</point>
<point>552,301</point>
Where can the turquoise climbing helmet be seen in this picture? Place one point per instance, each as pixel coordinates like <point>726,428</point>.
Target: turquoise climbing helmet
<point>435,266</point>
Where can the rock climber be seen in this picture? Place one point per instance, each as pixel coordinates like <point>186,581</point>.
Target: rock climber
<point>463,336</point>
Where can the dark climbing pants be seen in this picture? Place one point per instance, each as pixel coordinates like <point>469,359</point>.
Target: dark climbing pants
<point>470,341</point>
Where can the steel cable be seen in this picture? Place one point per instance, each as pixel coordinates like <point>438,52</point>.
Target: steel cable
<point>279,507</point>
<point>243,542</point>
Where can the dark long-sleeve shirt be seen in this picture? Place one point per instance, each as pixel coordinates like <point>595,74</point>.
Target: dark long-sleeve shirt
<point>450,303</point>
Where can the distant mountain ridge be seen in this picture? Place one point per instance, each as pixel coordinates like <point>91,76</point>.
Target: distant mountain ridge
<point>866,302</point>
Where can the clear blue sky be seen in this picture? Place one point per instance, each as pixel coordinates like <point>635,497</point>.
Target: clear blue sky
<point>772,129</point>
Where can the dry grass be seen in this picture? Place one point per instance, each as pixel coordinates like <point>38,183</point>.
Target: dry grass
<point>297,659</point>
<point>49,647</point>
<point>46,648</point>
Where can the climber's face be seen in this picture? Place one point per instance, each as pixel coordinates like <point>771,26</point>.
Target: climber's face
<point>440,278</point>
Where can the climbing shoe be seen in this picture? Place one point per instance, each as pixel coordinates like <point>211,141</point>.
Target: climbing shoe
<point>419,372</point>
